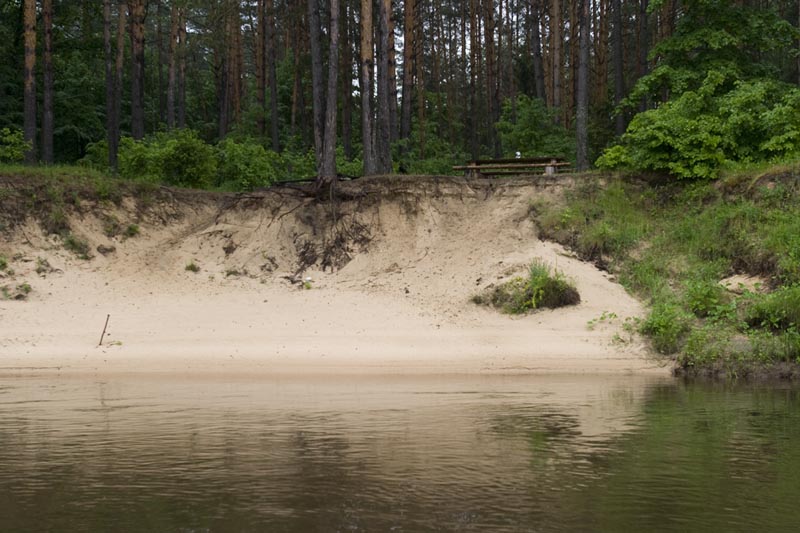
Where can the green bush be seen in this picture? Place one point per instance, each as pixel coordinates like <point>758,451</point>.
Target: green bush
<point>177,158</point>
<point>704,298</point>
<point>246,165</point>
<point>12,146</point>
<point>779,310</point>
<point>542,288</point>
<point>668,326</point>
<point>534,132</point>
<point>696,133</point>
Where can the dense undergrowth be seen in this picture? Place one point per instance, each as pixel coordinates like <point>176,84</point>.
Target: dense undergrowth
<point>672,244</point>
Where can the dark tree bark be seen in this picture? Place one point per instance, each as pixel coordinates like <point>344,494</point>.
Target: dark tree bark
<point>616,59</point>
<point>492,89</point>
<point>536,42</point>
<point>137,14</point>
<point>260,45</point>
<point>409,45</point>
<point>47,103</point>
<point>109,66</point>
<point>346,82</point>
<point>582,112</point>
<point>644,47</point>
<point>392,53</point>
<point>383,153</point>
<point>181,106</point>
<point>556,40</point>
<point>370,166</point>
<point>29,126</point>
<point>317,82</point>
<point>162,60</point>
<point>328,166</point>
<point>272,74</point>
<point>172,67</point>
<point>113,139</point>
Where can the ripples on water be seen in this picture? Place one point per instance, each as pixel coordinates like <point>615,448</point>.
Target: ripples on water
<point>396,454</point>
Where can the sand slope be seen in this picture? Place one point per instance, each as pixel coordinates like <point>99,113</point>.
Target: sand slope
<point>401,258</point>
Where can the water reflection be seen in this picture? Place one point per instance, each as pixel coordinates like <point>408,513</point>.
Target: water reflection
<point>401,454</point>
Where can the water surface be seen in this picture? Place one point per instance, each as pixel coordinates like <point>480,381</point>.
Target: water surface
<point>304,454</point>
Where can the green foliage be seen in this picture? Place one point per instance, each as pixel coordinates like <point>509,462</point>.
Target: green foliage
<point>696,133</point>
<point>533,132</point>
<point>542,288</point>
<point>77,245</point>
<point>779,310</point>
<point>246,165</point>
<point>177,158</point>
<point>704,298</point>
<point>3,263</point>
<point>192,267</point>
<point>667,324</point>
<point>12,145</point>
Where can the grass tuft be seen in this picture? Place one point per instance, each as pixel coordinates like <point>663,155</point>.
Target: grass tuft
<point>542,288</point>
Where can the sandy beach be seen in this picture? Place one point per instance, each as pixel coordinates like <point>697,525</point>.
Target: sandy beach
<point>260,302</point>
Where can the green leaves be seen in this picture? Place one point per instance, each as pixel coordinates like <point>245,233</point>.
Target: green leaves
<point>12,145</point>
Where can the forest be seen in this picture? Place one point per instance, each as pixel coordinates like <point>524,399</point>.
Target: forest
<point>237,94</point>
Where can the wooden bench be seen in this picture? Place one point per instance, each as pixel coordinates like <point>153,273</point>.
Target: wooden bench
<point>483,168</point>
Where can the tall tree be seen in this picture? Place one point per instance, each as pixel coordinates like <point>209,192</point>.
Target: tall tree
<point>367,67</point>
<point>317,81</point>
<point>383,154</point>
<point>29,129</point>
<point>109,71</point>
<point>536,43</point>
<point>181,105</point>
<point>172,64</point>
<point>556,36</point>
<point>113,143</point>
<point>582,111</point>
<point>272,75</point>
<point>137,16</point>
<point>47,93</point>
<point>616,59</point>
<point>328,167</point>
<point>408,68</point>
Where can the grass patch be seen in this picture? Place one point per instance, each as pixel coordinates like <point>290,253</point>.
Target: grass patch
<point>78,246</point>
<point>672,243</point>
<point>132,230</point>
<point>192,267</point>
<point>3,263</point>
<point>541,288</point>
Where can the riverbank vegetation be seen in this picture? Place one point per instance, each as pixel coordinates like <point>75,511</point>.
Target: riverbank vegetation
<point>542,288</point>
<point>718,262</point>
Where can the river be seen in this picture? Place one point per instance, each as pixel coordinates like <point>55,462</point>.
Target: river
<point>434,453</point>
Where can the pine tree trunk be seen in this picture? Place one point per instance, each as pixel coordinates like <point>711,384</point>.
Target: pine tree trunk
<point>408,69</point>
<point>556,40</point>
<point>328,167</point>
<point>644,47</point>
<point>346,82</point>
<point>616,58</point>
<point>582,112</point>
<point>538,64</point>
<point>137,14</point>
<point>181,50</point>
<point>29,127</point>
<point>317,82</point>
<point>383,154</point>
<point>272,74</point>
<point>47,103</point>
<point>370,166</point>
<point>260,45</point>
<point>109,66</point>
<point>161,60</point>
<point>113,145</point>
<point>393,126</point>
<point>492,96</point>
<point>172,68</point>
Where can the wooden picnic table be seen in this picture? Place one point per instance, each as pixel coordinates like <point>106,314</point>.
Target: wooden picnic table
<point>513,167</point>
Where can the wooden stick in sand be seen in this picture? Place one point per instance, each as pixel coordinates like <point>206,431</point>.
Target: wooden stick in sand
<point>104,331</point>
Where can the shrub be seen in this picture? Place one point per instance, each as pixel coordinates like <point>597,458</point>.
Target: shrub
<point>542,288</point>
<point>668,326</point>
<point>177,158</point>
<point>246,165</point>
<point>12,145</point>
<point>77,245</point>
<point>704,298</point>
<point>779,310</point>
<point>192,267</point>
